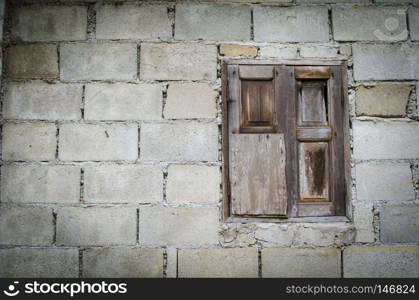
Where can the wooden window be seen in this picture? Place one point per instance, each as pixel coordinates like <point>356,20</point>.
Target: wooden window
<point>285,143</point>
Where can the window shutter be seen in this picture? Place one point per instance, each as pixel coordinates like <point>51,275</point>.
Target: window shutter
<point>257,154</point>
<point>319,133</point>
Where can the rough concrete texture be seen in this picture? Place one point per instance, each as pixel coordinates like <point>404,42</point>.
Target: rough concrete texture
<point>318,51</point>
<point>123,101</point>
<point>181,226</point>
<point>96,226</point>
<point>222,263</point>
<point>86,61</point>
<point>49,23</point>
<point>81,142</point>
<point>150,22</point>
<point>178,62</point>
<point>40,184</point>
<point>39,262</point>
<point>295,24</point>
<point>123,262</point>
<point>414,23</point>
<point>384,181</point>
<point>399,224</point>
<point>29,141</point>
<point>238,50</point>
<point>385,140</point>
<point>32,61</point>
<point>38,100</point>
<point>26,226</point>
<point>187,141</point>
<point>300,262</point>
<point>209,22</point>
<point>193,184</point>
<point>381,261</point>
<point>382,100</point>
<point>369,24</point>
<point>386,62</point>
<point>190,101</point>
<point>123,184</point>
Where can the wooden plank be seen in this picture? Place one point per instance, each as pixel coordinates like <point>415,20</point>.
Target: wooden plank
<point>314,172</point>
<point>315,209</point>
<point>319,134</point>
<point>257,174</point>
<point>224,142</point>
<point>256,72</point>
<point>310,72</point>
<point>346,142</point>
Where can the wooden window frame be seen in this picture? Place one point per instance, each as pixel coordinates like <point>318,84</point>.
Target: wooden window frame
<point>344,206</point>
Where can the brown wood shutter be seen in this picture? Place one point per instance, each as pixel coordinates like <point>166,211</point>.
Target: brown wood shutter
<point>256,142</point>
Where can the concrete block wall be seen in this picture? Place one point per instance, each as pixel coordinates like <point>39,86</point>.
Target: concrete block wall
<point>111,122</point>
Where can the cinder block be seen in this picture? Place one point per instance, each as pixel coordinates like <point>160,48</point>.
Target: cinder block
<point>301,262</point>
<point>49,23</point>
<point>40,184</point>
<point>39,262</point>
<point>87,61</point>
<point>123,184</point>
<point>32,61</point>
<point>369,24</point>
<point>121,101</point>
<point>29,141</point>
<point>123,262</point>
<point>381,261</point>
<point>414,23</point>
<point>386,62</point>
<point>96,226</point>
<point>382,100</point>
<point>190,100</point>
<point>212,22</point>
<point>183,141</point>
<point>81,142</point>
<point>193,184</point>
<point>284,52</point>
<point>384,181</point>
<point>399,224</point>
<point>181,226</point>
<point>278,235</point>
<point>290,24</point>
<point>150,22</point>
<point>37,100</point>
<point>238,50</point>
<point>221,263</point>
<point>385,140</point>
<point>30,226</point>
<point>178,62</point>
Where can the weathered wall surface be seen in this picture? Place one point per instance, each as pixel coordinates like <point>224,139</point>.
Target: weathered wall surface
<point>111,160</point>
